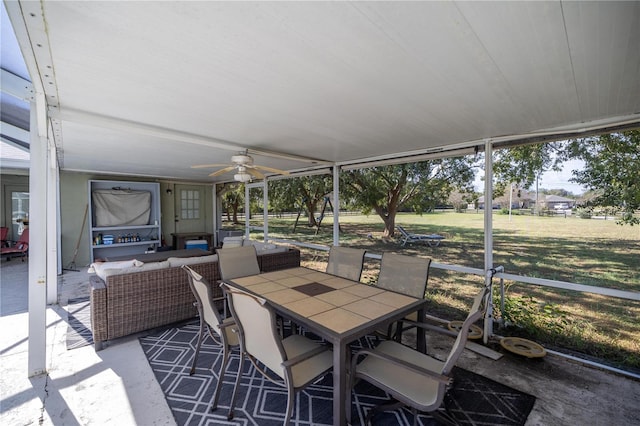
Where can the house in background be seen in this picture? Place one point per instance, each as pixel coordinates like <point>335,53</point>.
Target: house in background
<point>556,202</point>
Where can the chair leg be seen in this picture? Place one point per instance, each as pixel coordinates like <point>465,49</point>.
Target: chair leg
<point>195,356</point>
<point>290,402</point>
<point>235,387</point>
<point>398,334</point>
<point>223,368</point>
<point>443,414</point>
<point>444,417</point>
<point>391,406</point>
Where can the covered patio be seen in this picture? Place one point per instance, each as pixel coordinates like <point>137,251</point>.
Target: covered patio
<point>117,384</point>
<point>144,91</point>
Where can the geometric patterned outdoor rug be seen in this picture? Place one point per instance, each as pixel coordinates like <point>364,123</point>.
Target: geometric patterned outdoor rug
<point>79,323</point>
<point>474,400</point>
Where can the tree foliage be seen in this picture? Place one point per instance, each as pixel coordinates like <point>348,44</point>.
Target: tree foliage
<point>232,195</point>
<point>612,171</point>
<point>461,200</point>
<point>415,186</point>
<point>306,192</point>
<point>521,165</point>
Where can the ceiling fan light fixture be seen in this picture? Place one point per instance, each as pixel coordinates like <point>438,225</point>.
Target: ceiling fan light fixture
<point>243,177</point>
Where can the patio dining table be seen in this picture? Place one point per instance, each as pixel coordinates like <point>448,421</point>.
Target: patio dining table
<point>336,309</point>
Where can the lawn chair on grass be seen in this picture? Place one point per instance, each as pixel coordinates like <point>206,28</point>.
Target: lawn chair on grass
<point>433,240</point>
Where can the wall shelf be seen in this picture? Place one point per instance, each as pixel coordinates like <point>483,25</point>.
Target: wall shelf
<point>149,232</point>
<point>135,243</point>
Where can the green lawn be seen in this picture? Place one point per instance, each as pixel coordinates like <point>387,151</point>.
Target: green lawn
<point>586,251</point>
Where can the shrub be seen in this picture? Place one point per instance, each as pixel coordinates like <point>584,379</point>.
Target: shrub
<point>584,213</point>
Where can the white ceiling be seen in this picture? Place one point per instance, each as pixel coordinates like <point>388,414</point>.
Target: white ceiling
<point>150,88</point>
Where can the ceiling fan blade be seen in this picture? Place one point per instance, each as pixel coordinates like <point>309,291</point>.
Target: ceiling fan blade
<point>271,169</point>
<point>207,166</point>
<point>222,171</point>
<point>255,173</point>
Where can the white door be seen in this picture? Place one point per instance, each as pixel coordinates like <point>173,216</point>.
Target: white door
<point>189,209</point>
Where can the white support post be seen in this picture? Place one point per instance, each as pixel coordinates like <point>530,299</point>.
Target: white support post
<point>214,210</point>
<point>336,205</point>
<point>265,210</point>
<point>510,200</point>
<point>488,234</point>
<point>246,211</point>
<point>37,355</point>
<point>52,225</point>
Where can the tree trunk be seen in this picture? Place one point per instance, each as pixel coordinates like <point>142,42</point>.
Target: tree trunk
<point>311,208</point>
<point>389,216</point>
<point>234,206</point>
<point>389,225</point>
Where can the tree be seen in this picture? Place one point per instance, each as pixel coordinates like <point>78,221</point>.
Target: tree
<point>461,200</point>
<point>521,165</point>
<point>308,190</point>
<point>232,198</point>
<point>612,171</point>
<point>416,186</point>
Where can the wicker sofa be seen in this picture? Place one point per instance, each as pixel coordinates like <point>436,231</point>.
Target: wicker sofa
<point>126,303</point>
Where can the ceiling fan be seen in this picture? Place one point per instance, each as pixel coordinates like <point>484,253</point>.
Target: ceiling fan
<point>245,169</point>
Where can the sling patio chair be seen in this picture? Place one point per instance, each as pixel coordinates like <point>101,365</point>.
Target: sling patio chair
<point>21,247</point>
<point>296,360</point>
<point>433,240</point>
<point>236,262</point>
<point>345,262</point>
<point>412,378</point>
<point>222,330</point>
<point>403,274</point>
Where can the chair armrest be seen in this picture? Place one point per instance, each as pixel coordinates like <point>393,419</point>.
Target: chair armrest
<point>228,324</point>
<point>427,326</point>
<point>305,356</point>
<point>98,297</point>
<point>397,361</point>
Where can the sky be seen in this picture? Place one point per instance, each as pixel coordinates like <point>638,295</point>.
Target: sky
<point>555,180</point>
<point>550,180</point>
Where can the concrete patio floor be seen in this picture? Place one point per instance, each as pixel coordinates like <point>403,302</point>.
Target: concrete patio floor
<point>116,385</point>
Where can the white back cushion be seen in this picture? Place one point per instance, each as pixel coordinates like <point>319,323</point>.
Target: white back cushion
<point>179,261</point>
<point>229,242</point>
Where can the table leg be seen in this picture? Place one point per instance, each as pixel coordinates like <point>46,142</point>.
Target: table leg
<point>340,383</point>
<point>421,342</point>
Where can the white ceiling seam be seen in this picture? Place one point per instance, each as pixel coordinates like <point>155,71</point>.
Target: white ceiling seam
<point>83,117</point>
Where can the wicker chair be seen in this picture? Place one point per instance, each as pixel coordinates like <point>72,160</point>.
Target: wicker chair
<point>222,330</point>
<point>345,262</point>
<point>411,377</point>
<point>296,360</point>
